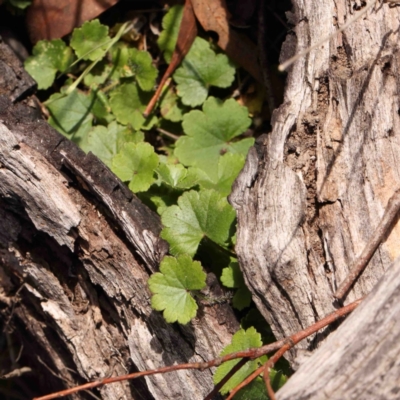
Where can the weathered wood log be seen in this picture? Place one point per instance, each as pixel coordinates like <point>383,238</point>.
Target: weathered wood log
<point>76,250</point>
<point>361,359</point>
<point>314,189</point>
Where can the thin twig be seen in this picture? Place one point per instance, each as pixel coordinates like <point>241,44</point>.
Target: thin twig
<point>248,380</point>
<point>299,336</point>
<point>250,354</point>
<point>389,217</point>
<point>186,36</point>
<point>166,133</point>
<point>226,378</point>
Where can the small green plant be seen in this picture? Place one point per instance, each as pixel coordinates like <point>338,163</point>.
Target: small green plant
<point>242,340</point>
<point>106,85</point>
<point>172,285</point>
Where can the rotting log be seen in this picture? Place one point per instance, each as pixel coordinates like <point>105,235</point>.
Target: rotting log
<point>314,189</point>
<point>360,360</point>
<point>76,251</point>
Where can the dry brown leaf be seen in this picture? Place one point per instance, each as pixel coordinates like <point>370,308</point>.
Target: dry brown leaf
<point>186,36</point>
<point>213,16</point>
<point>53,19</point>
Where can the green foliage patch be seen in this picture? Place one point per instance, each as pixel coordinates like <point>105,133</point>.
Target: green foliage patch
<point>186,179</point>
<point>241,340</point>
<point>47,59</point>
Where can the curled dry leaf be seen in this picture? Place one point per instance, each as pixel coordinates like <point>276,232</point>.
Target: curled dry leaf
<point>186,36</point>
<point>213,16</point>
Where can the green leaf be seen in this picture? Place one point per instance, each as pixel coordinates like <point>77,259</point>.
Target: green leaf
<point>160,197</point>
<point>69,113</point>
<point>200,69</point>
<point>241,340</point>
<point>171,287</point>
<point>210,133</point>
<point>170,23</point>
<point>139,64</point>
<point>136,163</point>
<point>99,107</point>
<point>90,40</point>
<point>106,142</point>
<point>20,4</point>
<point>47,59</point>
<point>257,390</point>
<point>99,74</point>
<point>171,107</point>
<point>232,277</point>
<point>176,176</point>
<point>254,390</point>
<point>198,214</point>
<point>127,102</point>
<point>254,318</point>
<point>222,177</point>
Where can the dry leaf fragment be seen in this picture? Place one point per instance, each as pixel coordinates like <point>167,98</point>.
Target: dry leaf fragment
<point>186,36</point>
<point>213,16</point>
<point>53,19</point>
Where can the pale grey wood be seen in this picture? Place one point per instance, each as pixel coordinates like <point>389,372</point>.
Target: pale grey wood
<point>106,322</point>
<point>361,360</point>
<point>312,194</point>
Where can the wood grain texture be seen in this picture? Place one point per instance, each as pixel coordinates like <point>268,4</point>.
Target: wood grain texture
<point>361,359</point>
<point>76,251</point>
<point>333,158</point>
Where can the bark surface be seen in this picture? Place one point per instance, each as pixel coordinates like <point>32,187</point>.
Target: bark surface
<point>361,359</point>
<point>314,189</point>
<point>76,251</point>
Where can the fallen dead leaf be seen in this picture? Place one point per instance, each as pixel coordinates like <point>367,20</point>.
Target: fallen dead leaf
<point>53,19</point>
<point>213,16</point>
<point>186,36</point>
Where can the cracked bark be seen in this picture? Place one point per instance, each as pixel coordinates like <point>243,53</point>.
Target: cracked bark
<point>314,189</point>
<point>76,250</point>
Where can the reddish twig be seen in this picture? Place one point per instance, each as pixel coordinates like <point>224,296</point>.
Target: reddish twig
<point>186,36</point>
<point>249,354</point>
<point>389,216</point>
<point>299,336</point>
<point>241,385</point>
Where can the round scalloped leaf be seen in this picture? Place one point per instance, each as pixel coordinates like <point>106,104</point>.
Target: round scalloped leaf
<point>241,340</point>
<point>106,142</point>
<point>222,178</point>
<point>48,58</point>
<point>131,62</point>
<point>141,65</point>
<point>200,69</point>
<point>136,164</point>
<point>171,107</point>
<point>171,287</point>
<point>99,74</point>
<point>168,37</point>
<point>176,176</point>
<point>210,134</point>
<point>198,214</point>
<point>70,115</point>
<point>90,40</point>
<point>127,102</point>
